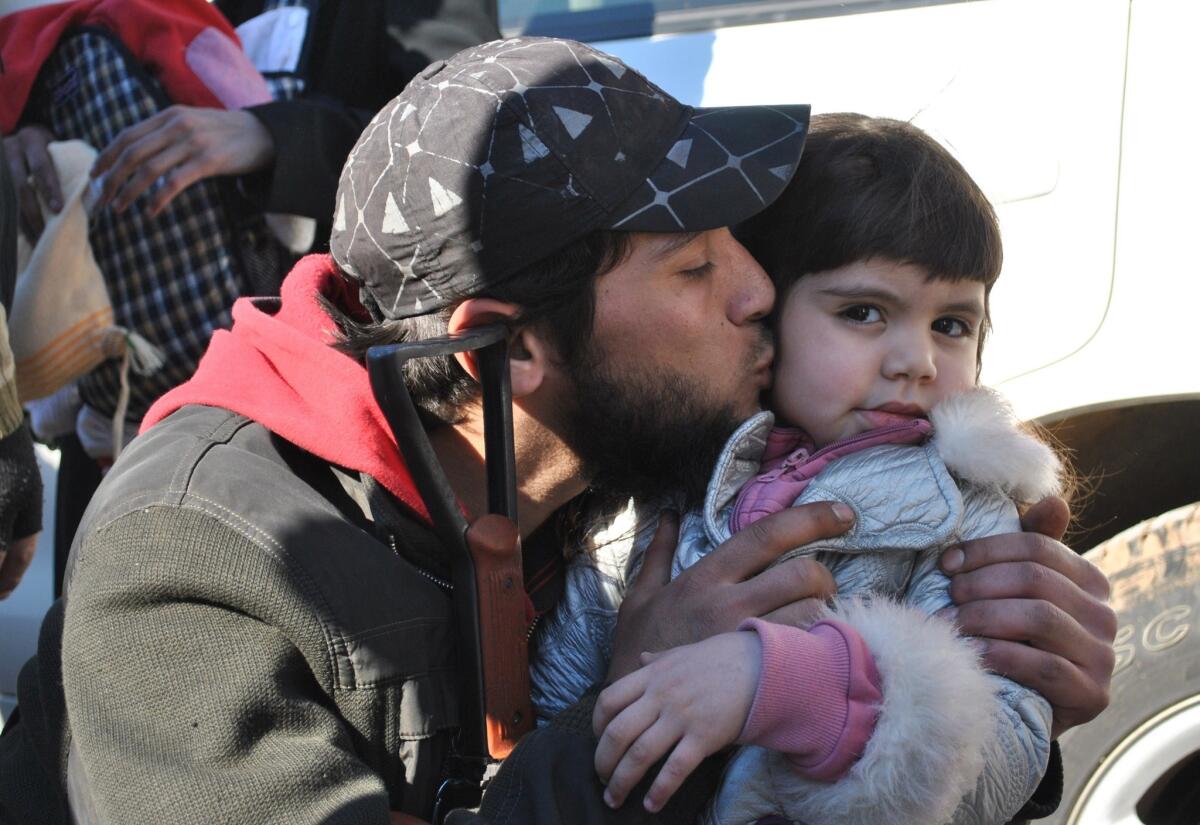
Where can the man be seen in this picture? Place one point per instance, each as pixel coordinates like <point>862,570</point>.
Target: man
<point>258,625</point>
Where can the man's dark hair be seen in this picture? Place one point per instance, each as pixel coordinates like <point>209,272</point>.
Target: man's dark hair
<point>870,187</point>
<point>556,293</point>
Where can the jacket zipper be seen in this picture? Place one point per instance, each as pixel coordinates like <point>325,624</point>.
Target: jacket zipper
<point>450,587</point>
<point>442,583</point>
<point>791,461</point>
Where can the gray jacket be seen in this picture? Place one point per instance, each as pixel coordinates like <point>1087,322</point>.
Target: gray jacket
<point>952,743</point>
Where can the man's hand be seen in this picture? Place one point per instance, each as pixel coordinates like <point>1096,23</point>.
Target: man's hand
<point>33,174</point>
<point>180,145</point>
<point>20,507</point>
<point>689,701</point>
<point>1041,611</point>
<point>730,584</point>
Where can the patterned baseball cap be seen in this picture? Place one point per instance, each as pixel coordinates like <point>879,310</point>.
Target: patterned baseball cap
<point>509,151</point>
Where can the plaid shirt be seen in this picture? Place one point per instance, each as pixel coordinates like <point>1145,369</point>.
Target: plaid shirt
<point>172,278</point>
<point>285,85</point>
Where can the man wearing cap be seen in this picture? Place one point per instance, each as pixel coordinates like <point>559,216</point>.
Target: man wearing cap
<point>258,625</point>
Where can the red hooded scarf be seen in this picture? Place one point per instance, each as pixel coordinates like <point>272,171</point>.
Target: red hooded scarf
<point>278,369</point>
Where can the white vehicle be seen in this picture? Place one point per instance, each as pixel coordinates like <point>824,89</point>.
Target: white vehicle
<point>1077,118</point>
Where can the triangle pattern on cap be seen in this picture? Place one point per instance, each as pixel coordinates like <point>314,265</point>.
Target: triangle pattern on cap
<point>614,67</point>
<point>679,153</point>
<point>532,147</point>
<point>339,221</point>
<point>443,199</point>
<point>784,173</point>
<point>393,221</point>
<point>574,122</point>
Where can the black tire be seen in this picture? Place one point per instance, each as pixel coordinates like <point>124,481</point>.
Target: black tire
<point>1154,569</point>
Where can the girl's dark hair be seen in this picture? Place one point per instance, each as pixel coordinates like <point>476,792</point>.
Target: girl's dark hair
<point>557,294</point>
<point>870,187</point>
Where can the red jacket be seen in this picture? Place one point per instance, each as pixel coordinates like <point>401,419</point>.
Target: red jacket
<point>187,44</point>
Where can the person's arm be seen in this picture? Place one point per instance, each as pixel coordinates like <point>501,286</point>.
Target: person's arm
<point>311,140</point>
<point>32,175</point>
<point>1040,613</point>
<point>20,479</point>
<point>179,145</point>
<point>188,688</point>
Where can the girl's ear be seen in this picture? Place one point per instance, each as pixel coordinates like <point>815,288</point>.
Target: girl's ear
<point>526,350</point>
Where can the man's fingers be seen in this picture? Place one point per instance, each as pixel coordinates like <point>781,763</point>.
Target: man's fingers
<point>30,213</point>
<point>127,166</point>
<point>144,174</point>
<point>14,563</point>
<point>41,167</point>
<point>797,581</point>
<point>1050,517</point>
<point>1028,580</point>
<point>1076,697</point>
<point>129,136</point>
<point>753,549</point>
<point>802,614</point>
<point>656,563</point>
<point>178,179</point>
<point>1021,547</point>
<point>1043,624</point>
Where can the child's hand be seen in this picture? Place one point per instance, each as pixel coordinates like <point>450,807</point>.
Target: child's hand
<point>689,701</point>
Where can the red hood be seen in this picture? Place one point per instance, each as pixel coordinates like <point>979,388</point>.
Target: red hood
<point>278,369</point>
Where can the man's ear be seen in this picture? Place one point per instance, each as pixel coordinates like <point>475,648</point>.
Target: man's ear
<point>526,350</point>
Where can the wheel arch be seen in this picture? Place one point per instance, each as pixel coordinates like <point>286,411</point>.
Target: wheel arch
<point>1136,458</point>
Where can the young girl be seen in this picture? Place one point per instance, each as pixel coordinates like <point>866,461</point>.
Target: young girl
<point>883,251</point>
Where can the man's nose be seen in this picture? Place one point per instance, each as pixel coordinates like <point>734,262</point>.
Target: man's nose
<point>753,294</point>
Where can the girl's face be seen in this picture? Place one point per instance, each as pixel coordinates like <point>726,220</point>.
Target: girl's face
<point>870,344</point>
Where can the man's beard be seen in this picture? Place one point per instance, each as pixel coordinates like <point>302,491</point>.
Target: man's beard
<point>645,435</point>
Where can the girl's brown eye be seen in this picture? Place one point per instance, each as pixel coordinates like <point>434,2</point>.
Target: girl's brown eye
<point>862,314</point>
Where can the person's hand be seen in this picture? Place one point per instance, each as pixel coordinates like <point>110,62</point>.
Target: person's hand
<point>1041,612</point>
<point>14,561</point>
<point>690,701</point>
<point>33,175</point>
<point>180,145</point>
<point>20,507</point>
<point>730,584</point>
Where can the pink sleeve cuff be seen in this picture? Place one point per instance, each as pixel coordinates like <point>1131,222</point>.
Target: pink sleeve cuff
<point>817,698</point>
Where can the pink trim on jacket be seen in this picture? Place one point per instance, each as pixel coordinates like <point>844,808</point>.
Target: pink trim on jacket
<point>789,465</point>
<point>817,699</point>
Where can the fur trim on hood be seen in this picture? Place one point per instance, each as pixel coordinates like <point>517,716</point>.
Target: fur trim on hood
<point>983,442</point>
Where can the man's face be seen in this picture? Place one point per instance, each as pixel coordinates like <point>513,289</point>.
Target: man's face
<point>678,356</point>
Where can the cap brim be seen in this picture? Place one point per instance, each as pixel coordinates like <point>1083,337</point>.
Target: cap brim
<point>729,164</point>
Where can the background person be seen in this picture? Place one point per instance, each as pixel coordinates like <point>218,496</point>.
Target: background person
<point>189,185</point>
<point>20,479</point>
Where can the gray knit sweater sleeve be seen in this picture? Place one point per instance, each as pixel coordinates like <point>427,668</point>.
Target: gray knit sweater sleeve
<point>197,684</point>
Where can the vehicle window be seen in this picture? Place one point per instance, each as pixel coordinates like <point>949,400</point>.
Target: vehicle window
<point>598,20</point>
